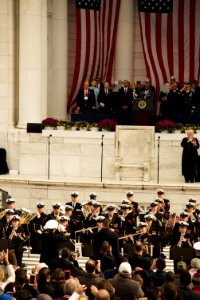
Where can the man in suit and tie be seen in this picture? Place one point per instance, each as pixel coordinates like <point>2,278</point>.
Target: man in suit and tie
<point>124,104</point>
<point>85,99</point>
<point>105,99</point>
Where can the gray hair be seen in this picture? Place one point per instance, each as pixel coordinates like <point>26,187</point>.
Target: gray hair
<point>195,263</point>
<point>70,286</point>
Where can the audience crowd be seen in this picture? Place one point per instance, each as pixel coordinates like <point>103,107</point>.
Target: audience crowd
<point>135,273</point>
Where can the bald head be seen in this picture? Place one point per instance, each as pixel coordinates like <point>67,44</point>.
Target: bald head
<point>102,295</point>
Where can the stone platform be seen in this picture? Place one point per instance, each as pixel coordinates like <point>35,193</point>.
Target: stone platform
<point>75,160</point>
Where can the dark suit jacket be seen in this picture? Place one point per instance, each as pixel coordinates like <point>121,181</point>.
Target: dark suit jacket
<point>86,105</point>
<point>106,99</point>
<point>106,234</point>
<point>124,99</point>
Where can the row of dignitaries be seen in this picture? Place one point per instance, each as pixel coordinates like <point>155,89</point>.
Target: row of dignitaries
<point>116,100</point>
<point>122,227</point>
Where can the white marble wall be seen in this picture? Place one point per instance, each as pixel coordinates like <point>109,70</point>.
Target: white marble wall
<point>78,154</point>
<point>75,165</point>
<point>8,42</point>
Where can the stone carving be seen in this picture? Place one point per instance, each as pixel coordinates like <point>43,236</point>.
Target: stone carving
<point>134,152</point>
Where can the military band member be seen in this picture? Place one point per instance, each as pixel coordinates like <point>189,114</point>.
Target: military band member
<point>112,216</point>
<point>90,221</point>
<point>74,202</point>
<point>36,227</point>
<point>194,201</point>
<point>182,238</point>
<point>143,236</point>
<point>6,222</point>
<point>128,219</point>
<point>16,237</point>
<point>93,196</point>
<point>74,223</point>
<point>130,197</point>
<point>161,194</point>
<point>51,239</point>
<point>184,217</point>
<point>10,202</point>
<point>56,213</point>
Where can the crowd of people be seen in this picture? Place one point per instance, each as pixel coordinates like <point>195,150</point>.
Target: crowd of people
<point>124,245</point>
<point>119,98</point>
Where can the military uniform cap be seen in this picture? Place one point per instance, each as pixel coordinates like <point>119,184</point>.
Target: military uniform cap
<point>51,224</point>
<point>16,218</point>
<point>9,211</point>
<point>68,208</point>
<point>40,204</point>
<point>143,224</point>
<point>183,224</point>
<point>10,200</point>
<point>75,194</point>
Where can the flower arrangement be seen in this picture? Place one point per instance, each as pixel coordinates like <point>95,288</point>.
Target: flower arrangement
<point>61,123</point>
<point>69,125</point>
<point>83,125</point>
<point>165,125</point>
<point>51,122</point>
<point>107,124</point>
<point>92,126</point>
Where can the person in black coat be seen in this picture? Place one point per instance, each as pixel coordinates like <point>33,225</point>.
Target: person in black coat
<point>16,237</point>
<point>36,226</point>
<point>64,263</point>
<point>50,240</point>
<point>106,234</point>
<point>56,213</point>
<point>190,145</point>
<point>77,206</point>
<point>86,101</point>
<point>124,104</point>
<point>105,99</point>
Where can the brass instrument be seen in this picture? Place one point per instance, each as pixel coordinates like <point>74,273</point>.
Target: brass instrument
<point>27,216</point>
<point>2,214</point>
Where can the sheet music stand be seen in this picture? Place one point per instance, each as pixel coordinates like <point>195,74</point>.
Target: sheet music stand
<point>178,253</point>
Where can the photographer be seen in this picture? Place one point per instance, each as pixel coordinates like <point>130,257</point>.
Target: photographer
<point>8,270</point>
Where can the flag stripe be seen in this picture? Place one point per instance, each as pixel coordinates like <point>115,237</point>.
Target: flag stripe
<point>192,37</point>
<point>171,42</point>
<point>95,44</point>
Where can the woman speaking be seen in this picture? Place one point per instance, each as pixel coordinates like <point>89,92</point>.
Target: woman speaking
<point>190,145</point>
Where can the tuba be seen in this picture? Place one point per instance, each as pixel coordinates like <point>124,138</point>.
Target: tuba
<point>27,216</point>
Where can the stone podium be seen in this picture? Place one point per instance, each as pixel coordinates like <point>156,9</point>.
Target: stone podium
<point>134,152</point>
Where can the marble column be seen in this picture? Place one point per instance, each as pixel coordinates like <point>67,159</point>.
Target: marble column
<point>32,61</point>
<point>123,67</point>
<point>57,76</point>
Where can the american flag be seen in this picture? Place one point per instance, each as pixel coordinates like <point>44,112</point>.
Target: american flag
<point>96,27</point>
<point>155,6</point>
<point>171,43</point>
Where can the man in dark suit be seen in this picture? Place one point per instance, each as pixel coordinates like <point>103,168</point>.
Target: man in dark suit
<point>85,99</point>
<point>105,99</point>
<point>106,234</point>
<point>124,104</point>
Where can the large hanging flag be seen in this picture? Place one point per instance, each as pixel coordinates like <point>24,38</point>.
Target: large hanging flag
<point>171,41</point>
<point>96,28</point>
